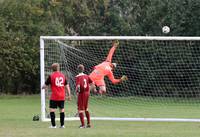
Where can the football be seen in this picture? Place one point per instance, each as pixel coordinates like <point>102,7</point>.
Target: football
<point>165,29</point>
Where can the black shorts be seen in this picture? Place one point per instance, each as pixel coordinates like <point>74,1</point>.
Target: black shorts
<point>54,104</point>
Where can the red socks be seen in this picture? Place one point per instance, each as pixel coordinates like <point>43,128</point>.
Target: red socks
<point>81,115</point>
<point>87,116</point>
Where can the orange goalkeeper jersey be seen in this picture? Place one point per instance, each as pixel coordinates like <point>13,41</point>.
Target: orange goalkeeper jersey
<point>100,71</point>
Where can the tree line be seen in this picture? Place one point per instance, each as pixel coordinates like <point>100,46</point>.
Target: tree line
<point>22,22</point>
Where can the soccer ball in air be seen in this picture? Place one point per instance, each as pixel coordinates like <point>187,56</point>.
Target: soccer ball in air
<point>165,29</point>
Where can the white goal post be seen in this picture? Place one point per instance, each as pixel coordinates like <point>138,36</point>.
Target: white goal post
<point>163,72</point>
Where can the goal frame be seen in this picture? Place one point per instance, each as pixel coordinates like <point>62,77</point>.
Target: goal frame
<point>42,72</point>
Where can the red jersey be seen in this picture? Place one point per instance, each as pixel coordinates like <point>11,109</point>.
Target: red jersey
<point>83,81</point>
<point>57,81</point>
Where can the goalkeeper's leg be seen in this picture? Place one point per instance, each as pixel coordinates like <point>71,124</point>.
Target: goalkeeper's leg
<point>102,89</point>
<point>102,86</point>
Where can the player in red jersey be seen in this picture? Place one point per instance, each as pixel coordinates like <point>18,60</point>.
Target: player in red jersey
<point>106,69</point>
<point>83,92</point>
<point>58,83</point>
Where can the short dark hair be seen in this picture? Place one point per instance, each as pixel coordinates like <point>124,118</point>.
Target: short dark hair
<point>55,67</point>
<point>81,68</point>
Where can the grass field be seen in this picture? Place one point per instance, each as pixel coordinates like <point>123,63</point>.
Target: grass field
<point>16,114</point>
<point>139,107</point>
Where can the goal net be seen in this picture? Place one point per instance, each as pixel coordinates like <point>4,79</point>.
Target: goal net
<point>163,76</point>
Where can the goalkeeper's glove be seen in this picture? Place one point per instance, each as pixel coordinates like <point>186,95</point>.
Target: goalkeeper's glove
<point>115,43</point>
<point>124,78</point>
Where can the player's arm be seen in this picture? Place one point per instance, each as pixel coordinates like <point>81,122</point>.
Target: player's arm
<point>68,91</point>
<point>115,44</point>
<point>68,95</point>
<point>47,82</point>
<point>115,81</point>
<point>78,89</point>
<point>112,78</point>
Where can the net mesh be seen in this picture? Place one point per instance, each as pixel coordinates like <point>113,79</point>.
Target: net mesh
<point>163,76</point>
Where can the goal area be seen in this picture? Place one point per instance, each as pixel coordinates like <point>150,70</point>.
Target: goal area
<point>163,76</point>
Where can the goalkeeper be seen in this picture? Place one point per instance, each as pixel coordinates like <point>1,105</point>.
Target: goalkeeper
<point>105,69</point>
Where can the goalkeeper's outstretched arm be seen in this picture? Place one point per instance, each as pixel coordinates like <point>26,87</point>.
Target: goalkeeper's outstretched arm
<point>115,44</point>
<point>115,81</point>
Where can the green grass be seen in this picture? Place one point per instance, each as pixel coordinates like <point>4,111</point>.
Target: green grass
<point>138,107</point>
<point>16,114</point>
